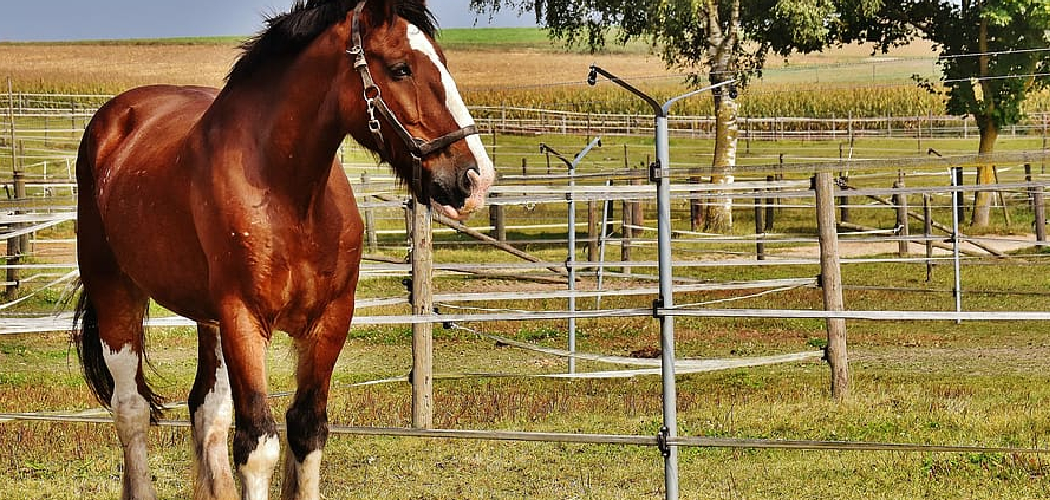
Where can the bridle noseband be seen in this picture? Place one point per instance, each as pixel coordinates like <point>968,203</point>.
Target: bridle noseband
<point>418,148</point>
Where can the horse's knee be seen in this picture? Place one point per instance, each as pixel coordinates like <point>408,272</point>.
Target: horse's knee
<point>307,429</point>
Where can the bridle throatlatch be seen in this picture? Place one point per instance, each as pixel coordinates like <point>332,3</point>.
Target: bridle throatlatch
<point>417,147</point>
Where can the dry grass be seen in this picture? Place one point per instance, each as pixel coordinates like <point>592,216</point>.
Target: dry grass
<point>112,67</point>
<point>66,67</point>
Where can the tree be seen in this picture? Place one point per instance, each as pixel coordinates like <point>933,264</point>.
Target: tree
<point>729,38</point>
<point>994,53</point>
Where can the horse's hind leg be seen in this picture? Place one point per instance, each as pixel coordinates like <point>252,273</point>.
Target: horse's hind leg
<point>116,309</point>
<point>211,413</point>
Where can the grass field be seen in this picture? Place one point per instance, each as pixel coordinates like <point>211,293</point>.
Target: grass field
<point>978,383</point>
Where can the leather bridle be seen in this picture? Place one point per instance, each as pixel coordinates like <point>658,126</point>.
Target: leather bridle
<point>417,147</point>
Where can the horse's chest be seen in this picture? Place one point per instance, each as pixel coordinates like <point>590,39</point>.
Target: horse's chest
<point>298,279</point>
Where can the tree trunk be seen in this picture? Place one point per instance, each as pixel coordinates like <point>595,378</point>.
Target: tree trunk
<point>982,206</point>
<point>719,216</point>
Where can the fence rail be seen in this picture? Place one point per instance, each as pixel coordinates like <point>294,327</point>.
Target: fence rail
<point>557,122</point>
<point>75,110</point>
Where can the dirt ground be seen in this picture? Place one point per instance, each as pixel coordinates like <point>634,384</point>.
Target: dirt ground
<point>848,249</point>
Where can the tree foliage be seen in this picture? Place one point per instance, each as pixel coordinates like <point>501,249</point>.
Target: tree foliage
<point>724,35</point>
<point>994,55</point>
<point>993,52</point>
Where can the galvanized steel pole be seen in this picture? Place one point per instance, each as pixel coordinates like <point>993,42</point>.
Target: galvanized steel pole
<point>570,264</point>
<point>570,261</point>
<point>670,390</point>
<point>660,173</point>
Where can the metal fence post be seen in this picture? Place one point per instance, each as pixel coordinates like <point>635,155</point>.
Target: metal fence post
<point>660,174</point>
<point>670,390</point>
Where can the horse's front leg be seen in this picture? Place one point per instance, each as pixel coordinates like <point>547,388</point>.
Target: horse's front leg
<point>256,445</point>
<point>307,418</point>
<point>211,413</point>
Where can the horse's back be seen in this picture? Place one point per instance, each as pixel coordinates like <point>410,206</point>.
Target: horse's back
<point>133,189</point>
<point>148,118</point>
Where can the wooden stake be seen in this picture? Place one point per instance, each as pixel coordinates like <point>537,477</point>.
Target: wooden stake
<point>760,226</point>
<point>1040,215</point>
<point>831,283</point>
<point>422,305</point>
<point>927,211</point>
<point>901,201</point>
<point>370,217</point>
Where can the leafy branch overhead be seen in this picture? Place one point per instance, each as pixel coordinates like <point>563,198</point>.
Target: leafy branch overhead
<point>725,36</point>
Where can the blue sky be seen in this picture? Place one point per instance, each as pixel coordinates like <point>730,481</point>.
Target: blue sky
<point>40,20</point>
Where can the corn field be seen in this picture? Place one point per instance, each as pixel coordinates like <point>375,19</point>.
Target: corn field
<point>762,101</point>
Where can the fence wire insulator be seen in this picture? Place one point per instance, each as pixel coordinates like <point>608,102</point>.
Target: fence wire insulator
<point>656,172</point>
<point>407,282</point>
<point>661,441</point>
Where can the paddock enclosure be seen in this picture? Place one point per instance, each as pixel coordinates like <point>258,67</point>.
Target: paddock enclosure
<point>947,330</point>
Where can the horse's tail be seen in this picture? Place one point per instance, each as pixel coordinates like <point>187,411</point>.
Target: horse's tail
<point>90,350</point>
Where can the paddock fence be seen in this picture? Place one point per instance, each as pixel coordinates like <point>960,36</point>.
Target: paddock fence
<point>908,208</point>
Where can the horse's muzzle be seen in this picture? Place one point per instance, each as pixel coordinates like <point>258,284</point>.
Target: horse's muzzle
<point>472,187</point>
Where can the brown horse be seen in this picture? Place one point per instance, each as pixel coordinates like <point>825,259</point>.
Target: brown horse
<point>228,207</point>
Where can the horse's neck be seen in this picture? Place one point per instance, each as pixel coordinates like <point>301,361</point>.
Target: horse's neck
<point>290,126</point>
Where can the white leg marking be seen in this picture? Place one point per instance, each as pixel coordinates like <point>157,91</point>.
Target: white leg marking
<point>310,475</point>
<point>256,472</point>
<point>302,479</point>
<point>124,367</point>
<point>131,416</point>
<point>454,102</point>
<point>211,425</point>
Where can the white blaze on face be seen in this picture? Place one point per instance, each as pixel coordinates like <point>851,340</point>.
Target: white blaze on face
<point>482,181</point>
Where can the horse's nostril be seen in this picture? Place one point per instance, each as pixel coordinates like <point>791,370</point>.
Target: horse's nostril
<point>468,178</point>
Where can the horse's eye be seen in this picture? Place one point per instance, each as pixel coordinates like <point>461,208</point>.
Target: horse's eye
<point>400,71</point>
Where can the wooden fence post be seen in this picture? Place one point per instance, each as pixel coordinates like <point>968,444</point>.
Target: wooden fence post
<point>625,235</point>
<point>11,117</point>
<point>497,220</point>
<point>17,246</point>
<point>771,211</point>
<point>844,199</point>
<point>760,226</point>
<point>13,259</point>
<point>370,216</point>
<point>831,284</point>
<point>1031,191</point>
<point>592,230</point>
<point>638,215</point>
<point>900,200</point>
<point>779,173</point>
<point>422,305</point>
<point>1040,215</point>
<point>927,214</point>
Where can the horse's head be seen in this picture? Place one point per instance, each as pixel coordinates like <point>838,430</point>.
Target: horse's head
<point>415,118</point>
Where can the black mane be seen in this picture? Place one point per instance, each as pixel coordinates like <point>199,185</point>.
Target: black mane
<point>289,33</point>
